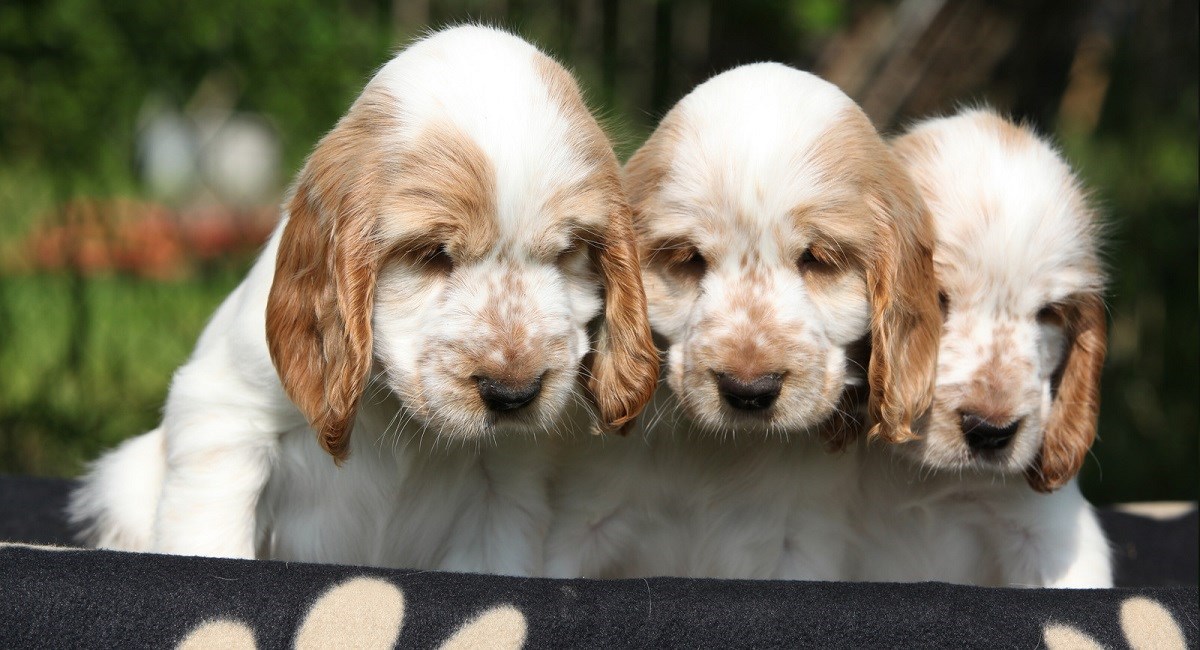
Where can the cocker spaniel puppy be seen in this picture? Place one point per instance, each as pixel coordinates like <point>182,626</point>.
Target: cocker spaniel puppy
<point>786,259</point>
<point>1018,379</point>
<point>377,388</point>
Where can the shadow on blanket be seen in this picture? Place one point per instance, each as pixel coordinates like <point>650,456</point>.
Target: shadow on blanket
<point>77,598</point>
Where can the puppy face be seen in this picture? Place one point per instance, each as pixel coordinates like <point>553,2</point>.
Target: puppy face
<point>480,313</point>
<point>454,235</point>
<point>772,222</point>
<point>1024,339</point>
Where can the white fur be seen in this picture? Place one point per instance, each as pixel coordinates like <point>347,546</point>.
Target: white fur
<point>432,481</point>
<point>679,502</point>
<point>706,490</point>
<point>130,474</point>
<point>1014,234</point>
<point>917,524</point>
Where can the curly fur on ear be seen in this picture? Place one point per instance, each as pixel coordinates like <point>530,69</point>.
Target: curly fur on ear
<point>624,369</point>
<point>1071,428</point>
<point>622,373</point>
<point>320,304</point>
<point>901,355</point>
<point>906,319</point>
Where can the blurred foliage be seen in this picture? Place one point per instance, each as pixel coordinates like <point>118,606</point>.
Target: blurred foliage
<point>74,73</point>
<point>1141,163</point>
<point>71,392</point>
<point>87,360</point>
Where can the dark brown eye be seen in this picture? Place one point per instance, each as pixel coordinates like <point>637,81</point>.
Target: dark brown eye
<point>686,263</point>
<point>436,260</point>
<point>680,259</point>
<point>813,260</point>
<point>693,264</point>
<point>1049,315</point>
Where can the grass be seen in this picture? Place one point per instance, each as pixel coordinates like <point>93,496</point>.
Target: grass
<point>87,363</point>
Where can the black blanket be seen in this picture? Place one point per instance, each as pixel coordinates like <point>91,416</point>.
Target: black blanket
<point>74,598</point>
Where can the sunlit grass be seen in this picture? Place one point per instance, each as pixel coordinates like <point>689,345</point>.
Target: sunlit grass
<point>77,378</point>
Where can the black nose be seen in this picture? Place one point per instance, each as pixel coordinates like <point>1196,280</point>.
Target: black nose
<point>503,396</point>
<point>984,435</point>
<point>753,396</point>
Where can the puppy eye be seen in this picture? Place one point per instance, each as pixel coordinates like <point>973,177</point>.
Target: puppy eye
<point>683,262</point>
<point>1049,315</point>
<point>813,260</point>
<point>569,252</point>
<point>694,264</point>
<point>436,260</point>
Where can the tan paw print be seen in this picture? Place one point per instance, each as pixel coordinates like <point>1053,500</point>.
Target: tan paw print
<point>1147,625</point>
<point>364,613</point>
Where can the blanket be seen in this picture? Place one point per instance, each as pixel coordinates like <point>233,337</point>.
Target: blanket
<point>56,596</point>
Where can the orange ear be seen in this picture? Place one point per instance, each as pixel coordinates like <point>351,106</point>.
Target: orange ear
<point>319,307</point>
<point>623,372</point>
<point>1072,424</point>
<point>906,319</point>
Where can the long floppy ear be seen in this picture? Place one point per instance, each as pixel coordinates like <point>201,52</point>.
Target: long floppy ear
<point>623,371</point>
<point>906,319</point>
<point>319,308</point>
<point>1071,428</point>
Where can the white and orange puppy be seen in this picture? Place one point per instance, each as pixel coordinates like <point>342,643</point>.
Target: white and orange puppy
<point>974,499</point>
<point>780,242</point>
<point>374,391</point>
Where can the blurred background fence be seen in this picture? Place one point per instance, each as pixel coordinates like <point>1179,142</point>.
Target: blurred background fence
<point>143,147</point>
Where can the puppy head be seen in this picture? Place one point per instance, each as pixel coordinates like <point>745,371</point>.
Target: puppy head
<point>452,238</point>
<point>1017,263</point>
<point>778,239</point>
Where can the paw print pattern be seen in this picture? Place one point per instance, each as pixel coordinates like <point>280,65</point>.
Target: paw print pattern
<point>1147,625</point>
<point>366,613</point>
<point>102,599</point>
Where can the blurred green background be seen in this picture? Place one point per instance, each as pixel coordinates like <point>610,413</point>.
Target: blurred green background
<point>143,146</point>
